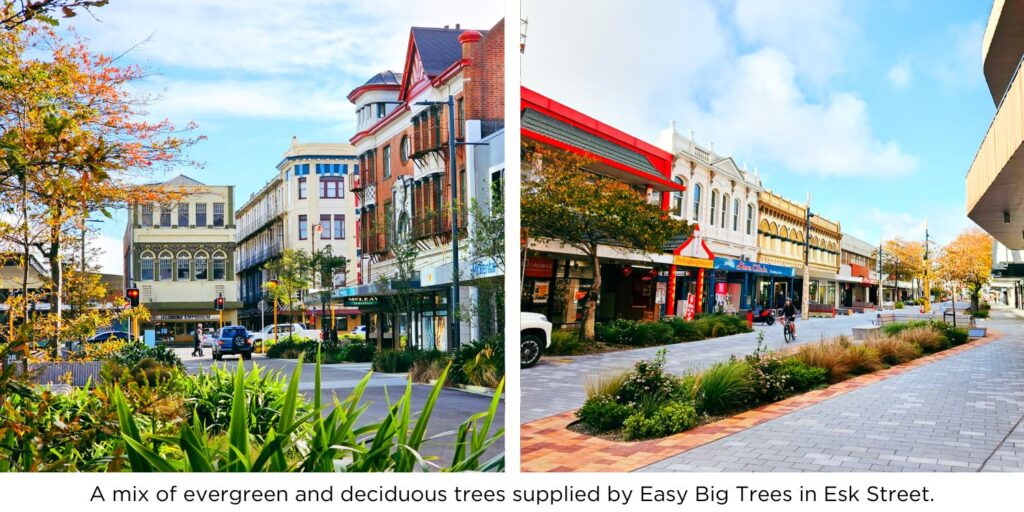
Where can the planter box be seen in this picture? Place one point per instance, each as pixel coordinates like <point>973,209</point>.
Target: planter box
<point>977,332</point>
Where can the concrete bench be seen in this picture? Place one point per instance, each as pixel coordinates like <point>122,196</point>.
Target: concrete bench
<point>866,332</point>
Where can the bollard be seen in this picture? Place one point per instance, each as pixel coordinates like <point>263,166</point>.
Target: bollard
<point>750,318</point>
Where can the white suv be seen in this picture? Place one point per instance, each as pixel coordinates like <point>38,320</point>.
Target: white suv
<point>534,338</point>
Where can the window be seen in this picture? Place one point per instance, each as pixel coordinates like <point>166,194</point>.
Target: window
<point>147,215</point>
<point>201,263</point>
<point>165,216</point>
<point>750,218</point>
<point>696,202</point>
<point>146,268</point>
<point>201,214</point>
<point>382,110</point>
<point>678,206</point>
<point>325,227</point>
<point>165,267</point>
<point>714,206</point>
<point>735,214</point>
<point>332,187</point>
<point>339,227</point>
<point>303,227</point>
<point>387,161</point>
<point>302,188</point>
<point>725,210</point>
<point>218,214</point>
<point>219,266</point>
<point>184,271</point>
<point>182,215</point>
<point>405,149</point>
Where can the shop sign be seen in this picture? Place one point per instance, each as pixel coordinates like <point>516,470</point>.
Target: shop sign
<point>166,318</point>
<point>361,302</point>
<point>721,288</point>
<point>753,267</point>
<point>660,293</point>
<point>541,292</point>
<point>691,306</point>
<point>689,261</point>
<point>540,267</point>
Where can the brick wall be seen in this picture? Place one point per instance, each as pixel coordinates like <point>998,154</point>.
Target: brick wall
<point>485,91</point>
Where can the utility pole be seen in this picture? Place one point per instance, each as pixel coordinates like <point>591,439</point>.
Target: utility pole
<point>927,286</point>
<point>881,280</point>
<point>805,301</point>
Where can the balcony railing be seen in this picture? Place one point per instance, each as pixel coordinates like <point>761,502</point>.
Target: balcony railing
<point>370,195</point>
<point>253,223</point>
<point>431,224</point>
<point>259,256</point>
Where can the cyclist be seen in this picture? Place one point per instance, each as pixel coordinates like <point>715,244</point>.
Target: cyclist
<point>789,314</point>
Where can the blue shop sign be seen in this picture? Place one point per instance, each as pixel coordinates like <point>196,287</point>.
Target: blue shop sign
<point>753,267</point>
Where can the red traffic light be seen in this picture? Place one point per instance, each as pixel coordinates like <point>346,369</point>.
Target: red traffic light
<point>218,303</point>
<point>132,295</point>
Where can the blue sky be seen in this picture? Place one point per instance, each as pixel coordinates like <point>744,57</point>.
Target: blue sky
<point>253,73</point>
<point>874,107</point>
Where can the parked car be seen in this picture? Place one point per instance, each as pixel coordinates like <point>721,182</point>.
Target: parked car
<point>232,340</point>
<point>534,338</point>
<point>106,336</point>
<point>285,330</point>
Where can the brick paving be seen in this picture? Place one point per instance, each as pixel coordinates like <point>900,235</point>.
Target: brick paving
<point>546,444</point>
<point>556,384</point>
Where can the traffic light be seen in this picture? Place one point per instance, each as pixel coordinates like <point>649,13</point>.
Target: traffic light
<point>218,303</point>
<point>132,296</point>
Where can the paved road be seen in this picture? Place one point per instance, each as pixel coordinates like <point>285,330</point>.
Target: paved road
<point>453,406</point>
<point>963,413</point>
<point>556,384</point>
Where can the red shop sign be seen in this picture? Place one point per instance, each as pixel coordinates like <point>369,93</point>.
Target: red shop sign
<point>540,267</point>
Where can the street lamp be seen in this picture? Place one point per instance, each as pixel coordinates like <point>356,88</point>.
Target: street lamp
<point>805,305</point>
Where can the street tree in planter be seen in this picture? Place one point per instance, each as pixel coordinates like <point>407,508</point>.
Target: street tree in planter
<point>324,264</point>
<point>292,272</point>
<point>902,259</point>
<point>967,261</point>
<point>563,200</point>
<point>403,249</point>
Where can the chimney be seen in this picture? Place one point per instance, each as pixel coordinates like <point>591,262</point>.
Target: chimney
<point>469,40</point>
<point>458,26</point>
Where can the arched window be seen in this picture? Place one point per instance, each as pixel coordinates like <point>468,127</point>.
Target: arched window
<point>184,271</point>
<point>165,272</point>
<point>750,219</point>
<point>679,199</point>
<point>201,263</point>
<point>696,201</point>
<point>735,214</point>
<point>220,264</point>
<point>146,272</point>
<point>714,207</point>
<point>725,211</point>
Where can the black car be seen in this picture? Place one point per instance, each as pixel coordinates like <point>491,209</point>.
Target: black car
<point>109,335</point>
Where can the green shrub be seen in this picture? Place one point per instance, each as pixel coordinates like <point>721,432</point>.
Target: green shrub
<point>767,380</point>
<point>648,377</point>
<point>208,398</point>
<point>603,413</point>
<point>132,353</point>
<point>801,377</point>
<point>685,389</point>
<point>652,333</point>
<point>618,332</point>
<point>292,347</point>
<point>670,418</point>
<point>720,324</point>
<point>683,330</point>
<point>487,368</point>
<point>861,360</point>
<point>955,336</point>
<point>724,387</point>
<point>359,351</point>
<point>928,338</point>
<point>428,365</point>
<point>981,313</point>
<point>899,305</point>
<point>467,354</point>
<point>566,343</point>
<point>393,361</point>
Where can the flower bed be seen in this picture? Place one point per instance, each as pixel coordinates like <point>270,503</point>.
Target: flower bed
<point>649,402</point>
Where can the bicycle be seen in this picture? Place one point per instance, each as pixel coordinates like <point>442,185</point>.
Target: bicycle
<point>788,333</point>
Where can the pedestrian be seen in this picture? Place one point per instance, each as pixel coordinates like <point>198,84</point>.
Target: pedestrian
<point>198,341</point>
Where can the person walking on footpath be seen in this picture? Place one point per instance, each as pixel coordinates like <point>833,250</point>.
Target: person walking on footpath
<point>197,339</point>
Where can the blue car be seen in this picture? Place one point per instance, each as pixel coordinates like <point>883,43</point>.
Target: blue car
<point>233,340</point>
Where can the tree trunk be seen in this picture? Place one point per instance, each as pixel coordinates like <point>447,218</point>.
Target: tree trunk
<point>590,308</point>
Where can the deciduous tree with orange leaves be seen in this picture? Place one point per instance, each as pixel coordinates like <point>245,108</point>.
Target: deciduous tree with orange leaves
<point>967,261</point>
<point>902,259</point>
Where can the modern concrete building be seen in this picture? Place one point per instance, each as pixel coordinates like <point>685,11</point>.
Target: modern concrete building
<point>307,206</point>
<point>995,181</point>
<point>720,199</point>
<point>182,257</point>
<point>1007,275</point>
<point>781,242</point>
<point>404,183</point>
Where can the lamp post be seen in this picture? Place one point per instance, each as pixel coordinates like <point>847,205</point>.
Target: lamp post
<point>805,304</point>
<point>927,288</point>
<point>881,280</point>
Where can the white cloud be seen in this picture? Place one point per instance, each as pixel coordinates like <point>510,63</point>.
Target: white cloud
<point>942,224</point>
<point>900,76</point>
<point>810,32</point>
<point>270,99</point>
<point>686,67</point>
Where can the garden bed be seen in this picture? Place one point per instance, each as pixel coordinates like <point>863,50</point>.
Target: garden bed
<point>649,403</point>
<point>618,335</point>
